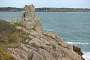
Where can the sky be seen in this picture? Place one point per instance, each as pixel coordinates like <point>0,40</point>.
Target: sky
<point>46,3</point>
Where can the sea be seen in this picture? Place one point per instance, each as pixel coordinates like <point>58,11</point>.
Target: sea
<point>74,27</point>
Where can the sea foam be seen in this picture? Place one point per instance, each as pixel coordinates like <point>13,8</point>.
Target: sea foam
<point>81,43</point>
<point>86,55</point>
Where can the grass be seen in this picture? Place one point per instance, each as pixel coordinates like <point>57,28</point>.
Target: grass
<point>4,55</point>
<point>9,35</point>
<point>17,23</point>
<point>54,46</point>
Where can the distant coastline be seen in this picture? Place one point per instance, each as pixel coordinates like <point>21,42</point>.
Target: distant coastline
<point>10,9</point>
<point>62,10</point>
<point>14,9</point>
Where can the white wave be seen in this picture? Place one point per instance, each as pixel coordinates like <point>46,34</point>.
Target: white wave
<point>86,55</point>
<point>81,43</point>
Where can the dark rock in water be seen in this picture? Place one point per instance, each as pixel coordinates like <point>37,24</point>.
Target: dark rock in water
<point>77,50</point>
<point>39,45</point>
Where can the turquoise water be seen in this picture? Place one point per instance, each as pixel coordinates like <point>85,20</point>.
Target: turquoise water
<point>74,27</point>
<point>11,16</point>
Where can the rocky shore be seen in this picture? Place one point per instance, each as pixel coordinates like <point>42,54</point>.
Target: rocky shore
<point>36,44</point>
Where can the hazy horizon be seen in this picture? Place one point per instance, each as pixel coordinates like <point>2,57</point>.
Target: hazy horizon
<point>46,3</point>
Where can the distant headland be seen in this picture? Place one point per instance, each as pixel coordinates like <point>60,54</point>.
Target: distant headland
<point>14,9</point>
<point>10,9</point>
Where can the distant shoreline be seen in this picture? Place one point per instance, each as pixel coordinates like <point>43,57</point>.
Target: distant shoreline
<point>13,9</point>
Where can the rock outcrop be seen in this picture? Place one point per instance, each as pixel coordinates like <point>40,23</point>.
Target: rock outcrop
<point>39,45</point>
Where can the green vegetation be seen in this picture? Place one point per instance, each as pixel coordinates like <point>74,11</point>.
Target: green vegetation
<point>4,55</point>
<point>54,46</point>
<point>9,35</point>
<point>17,23</point>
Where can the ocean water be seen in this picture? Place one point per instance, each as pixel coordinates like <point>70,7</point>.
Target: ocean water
<point>74,27</point>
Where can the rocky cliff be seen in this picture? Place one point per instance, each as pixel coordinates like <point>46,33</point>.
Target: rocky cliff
<point>37,44</point>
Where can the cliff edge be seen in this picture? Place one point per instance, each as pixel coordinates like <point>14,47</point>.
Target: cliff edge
<point>39,45</point>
